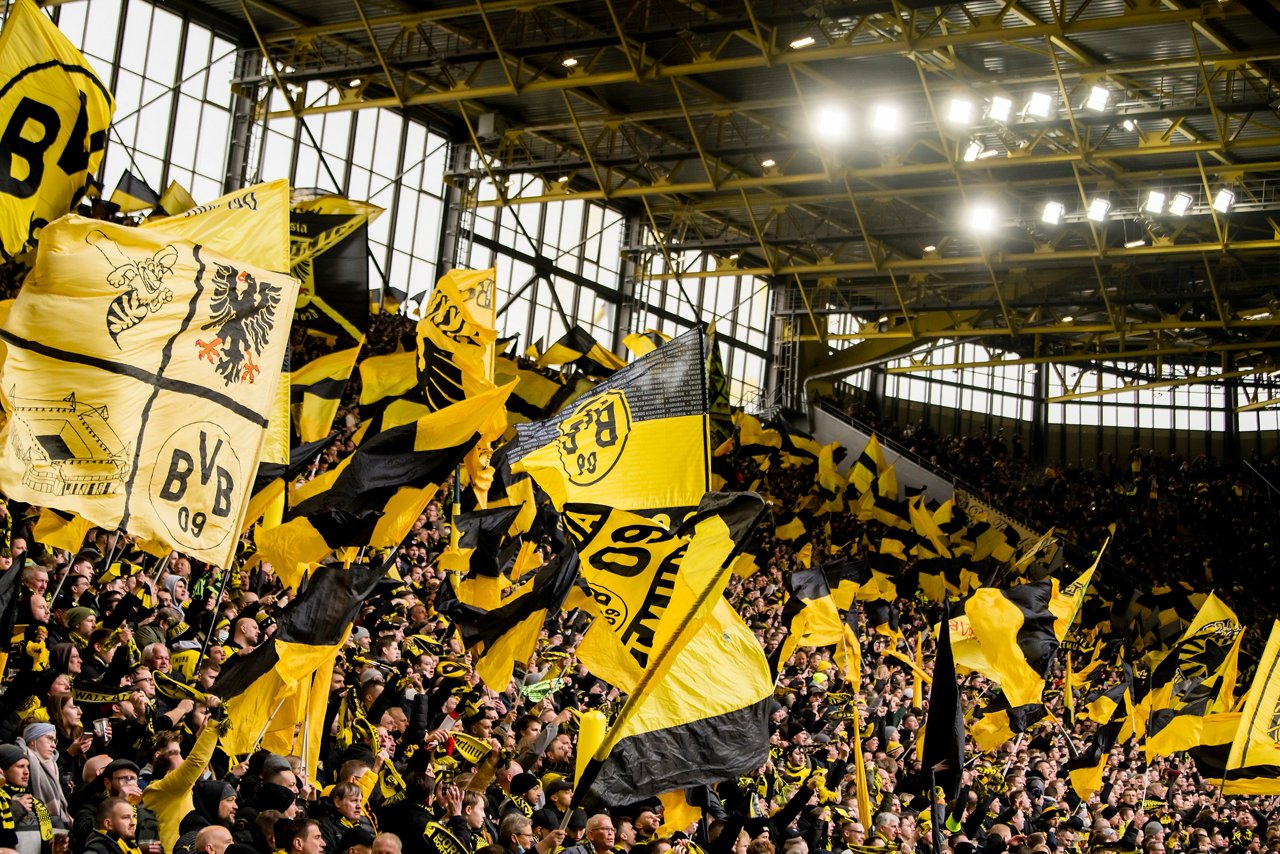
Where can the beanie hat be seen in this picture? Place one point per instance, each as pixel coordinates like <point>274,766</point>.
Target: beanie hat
<point>523,782</point>
<point>77,615</point>
<point>37,730</point>
<point>9,755</point>
<point>273,796</point>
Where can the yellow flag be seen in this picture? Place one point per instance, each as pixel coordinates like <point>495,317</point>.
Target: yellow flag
<point>250,225</point>
<point>387,376</point>
<point>1253,764</point>
<point>60,530</point>
<point>54,113</point>
<point>141,368</point>
<point>455,350</point>
<point>637,441</point>
<point>315,391</point>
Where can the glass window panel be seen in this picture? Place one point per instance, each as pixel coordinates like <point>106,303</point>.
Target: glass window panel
<point>101,29</point>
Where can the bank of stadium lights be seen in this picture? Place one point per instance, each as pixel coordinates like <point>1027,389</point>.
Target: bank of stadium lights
<point>1098,209</point>
<point>1223,201</point>
<point>972,151</point>
<point>1052,213</point>
<point>1154,203</point>
<point>1180,204</point>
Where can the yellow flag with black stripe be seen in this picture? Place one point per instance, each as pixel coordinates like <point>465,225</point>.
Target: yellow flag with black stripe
<point>1085,771</point>
<point>578,349</point>
<point>54,115</point>
<point>1253,764</point>
<point>133,194</point>
<point>1197,678</point>
<point>637,441</point>
<point>59,530</point>
<point>315,390</point>
<point>1015,630</point>
<point>456,342</point>
<point>386,376</point>
<point>141,369</point>
<point>870,463</point>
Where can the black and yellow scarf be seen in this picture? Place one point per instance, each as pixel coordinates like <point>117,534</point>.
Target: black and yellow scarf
<point>37,807</point>
<point>524,806</point>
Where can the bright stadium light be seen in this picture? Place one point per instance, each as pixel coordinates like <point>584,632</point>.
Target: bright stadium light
<point>1040,105</point>
<point>1180,204</point>
<point>1052,213</point>
<point>1154,203</point>
<point>1098,209</point>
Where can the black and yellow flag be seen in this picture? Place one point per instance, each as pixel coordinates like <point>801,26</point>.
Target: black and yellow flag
<point>1085,770</point>
<point>998,722</point>
<point>272,693</point>
<point>1253,765</point>
<point>579,350</point>
<point>141,369</point>
<point>329,255</point>
<point>391,375</point>
<point>644,579</point>
<point>59,530</point>
<point>870,463</point>
<point>812,618</point>
<point>132,194</point>
<point>943,750</point>
<point>315,390</point>
<point>374,496</point>
<point>1015,630</point>
<point>473,555</point>
<point>175,200</point>
<point>508,634</point>
<point>637,441</point>
<point>644,343</point>
<point>11,592</point>
<point>267,498</point>
<point>1196,678</point>
<point>703,721</point>
<point>54,115</point>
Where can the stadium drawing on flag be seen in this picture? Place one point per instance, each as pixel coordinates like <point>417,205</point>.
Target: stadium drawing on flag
<point>69,447</point>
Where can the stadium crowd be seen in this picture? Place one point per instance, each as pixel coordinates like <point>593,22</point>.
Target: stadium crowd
<point>109,733</point>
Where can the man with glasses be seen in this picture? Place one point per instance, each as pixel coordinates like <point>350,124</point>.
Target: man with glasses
<point>516,836</point>
<point>119,780</point>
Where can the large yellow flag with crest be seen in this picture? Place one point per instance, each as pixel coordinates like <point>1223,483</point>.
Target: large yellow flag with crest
<point>140,373</point>
<point>54,114</point>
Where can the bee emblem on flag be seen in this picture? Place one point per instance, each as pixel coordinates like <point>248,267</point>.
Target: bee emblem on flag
<point>243,318</point>
<point>141,279</point>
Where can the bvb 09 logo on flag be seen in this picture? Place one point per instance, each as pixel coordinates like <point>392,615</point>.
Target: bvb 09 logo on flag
<point>193,486</point>
<point>592,439</point>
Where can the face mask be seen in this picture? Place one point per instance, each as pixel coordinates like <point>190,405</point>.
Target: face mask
<point>221,637</point>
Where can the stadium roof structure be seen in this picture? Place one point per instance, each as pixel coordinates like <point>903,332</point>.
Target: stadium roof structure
<point>1089,180</point>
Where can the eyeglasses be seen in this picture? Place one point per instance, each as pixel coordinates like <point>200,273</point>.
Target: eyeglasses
<point>124,781</point>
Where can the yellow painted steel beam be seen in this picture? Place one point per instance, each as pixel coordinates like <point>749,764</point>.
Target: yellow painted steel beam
<point>1181,381</point>
<point>1066,358</point>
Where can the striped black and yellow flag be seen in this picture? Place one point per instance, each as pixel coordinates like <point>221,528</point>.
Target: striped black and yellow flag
<point>1015,629</point>
<point>1213,754</point>
<point>998,722</point>
<point>132,194</point>
<point>643,579</point>
<point>315,390</point>
<point>59,530</point>
<point>811,617</point>
<point>267,499</point>
<point>1253,765</point>
<point>1085,770</point>
<point>390,375</point>
<point>374,496</point>
<point>507,635</point>
<point>56,113</point>
<point>473,554</point>
<point>579,350</point>
<point>1196,678</point>
<point>277,693</point>
<point>704,721</point>
<point>870,463</point>
<point>753,438</point>
<point>644,343</point>
<point>637,441</point>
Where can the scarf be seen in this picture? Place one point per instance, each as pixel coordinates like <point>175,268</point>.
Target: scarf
<point>526,809</point>
<point>46,785</point>
<point>39,814</point>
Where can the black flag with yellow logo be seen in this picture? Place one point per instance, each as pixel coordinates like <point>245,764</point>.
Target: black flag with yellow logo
<point>329,255</point>
<point>637,441</point>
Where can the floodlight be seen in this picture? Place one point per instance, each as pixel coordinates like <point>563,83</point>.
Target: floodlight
<point>885,118</point>
<point>1224,200</point>
<point>569,61</point>
<point>1001,108</point>
<point>1098,209</point>
<point>982,218</point>
<point>972,151</point>
<point>1098,98</point>
<point>803,42</point>
<point>960,111</point>
<point>1040,105</point>
<point>830,123</point>
<point>1180,204</point>
<point>768,163</point>
<point>1154,203</point>
<point>1134,244</point>
<point>1053,212</point>
<point>1129,125</point>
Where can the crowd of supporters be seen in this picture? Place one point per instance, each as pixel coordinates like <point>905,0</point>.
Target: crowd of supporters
<point>109,736</point>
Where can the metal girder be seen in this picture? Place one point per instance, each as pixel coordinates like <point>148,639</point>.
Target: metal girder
<point>1174,383</point>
